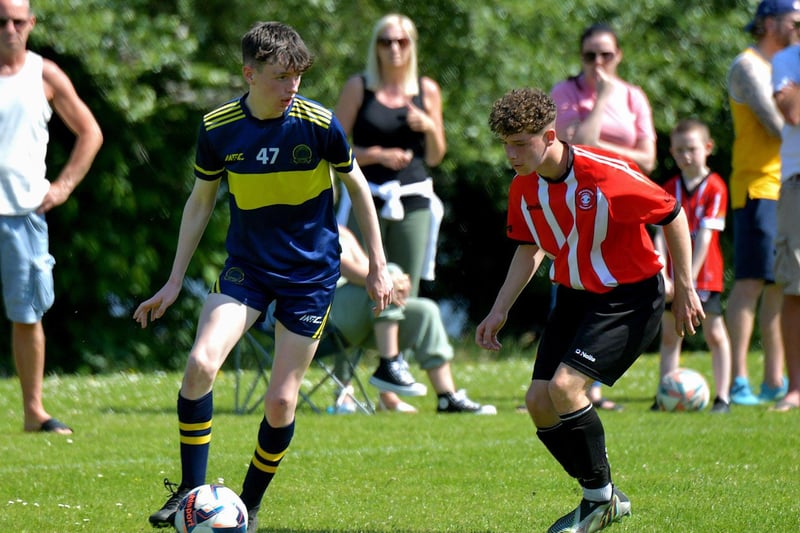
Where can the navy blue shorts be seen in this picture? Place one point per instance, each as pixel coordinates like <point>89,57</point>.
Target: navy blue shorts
<point>302,308</point>
<point>754,229</point>
<point>600,335</point>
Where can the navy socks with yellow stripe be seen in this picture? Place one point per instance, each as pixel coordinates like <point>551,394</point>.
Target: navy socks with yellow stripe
<point>194,421</point>
<point>272,446</point>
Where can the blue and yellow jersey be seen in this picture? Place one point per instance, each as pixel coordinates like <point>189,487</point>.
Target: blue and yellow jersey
<point>280,191</point>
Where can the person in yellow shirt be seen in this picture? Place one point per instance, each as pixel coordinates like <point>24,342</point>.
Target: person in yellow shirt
<point>754,188</point>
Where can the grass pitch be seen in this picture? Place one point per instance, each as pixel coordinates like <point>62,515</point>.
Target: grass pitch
<point>687,472</point>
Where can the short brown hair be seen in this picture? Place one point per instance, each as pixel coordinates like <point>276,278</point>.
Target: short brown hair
<point>275,42</point>
<point>692,124</point>
<point>522,111</point>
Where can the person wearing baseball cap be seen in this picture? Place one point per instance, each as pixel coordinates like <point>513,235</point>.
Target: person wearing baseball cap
<point>754,186</point>
<point>770,8</point>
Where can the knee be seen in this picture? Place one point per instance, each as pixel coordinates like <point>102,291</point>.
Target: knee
<point>201,369</point>
<point>539,405</point>
<point>558,388</point>
<point>279,408</point>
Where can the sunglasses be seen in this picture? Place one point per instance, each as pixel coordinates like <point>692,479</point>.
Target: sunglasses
<point>18,23</point>
<point>387,43</point>
<point>591,57</point>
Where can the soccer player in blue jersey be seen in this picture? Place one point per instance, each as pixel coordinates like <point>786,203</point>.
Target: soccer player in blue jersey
<point>275,148</point>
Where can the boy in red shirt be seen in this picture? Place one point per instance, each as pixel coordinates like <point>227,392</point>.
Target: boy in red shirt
<point>704,198</point>
<point>585,208</point>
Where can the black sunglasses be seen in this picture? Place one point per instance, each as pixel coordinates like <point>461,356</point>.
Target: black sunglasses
<point>387,43</point>
<point>591,57</point>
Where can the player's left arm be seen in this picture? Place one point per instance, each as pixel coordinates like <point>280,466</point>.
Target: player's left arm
<point>429,121</point>
<point>80,120</point>
<point>379,282</point>
<point>686,305</point>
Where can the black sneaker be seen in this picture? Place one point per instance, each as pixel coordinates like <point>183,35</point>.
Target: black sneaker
<point>720,406</point>
<point>457,402</point>
<point>655,407</point>
<point>165,517</point>
<point>252,520</point>
<point>593,516</point>
<point>393,375</point>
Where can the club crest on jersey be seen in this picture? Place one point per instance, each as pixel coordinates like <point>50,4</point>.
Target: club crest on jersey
<point>586,199</point>
<point>301,155</point>
<point>234,275</point>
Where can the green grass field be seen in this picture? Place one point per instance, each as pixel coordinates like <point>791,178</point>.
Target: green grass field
<point>684,472</point>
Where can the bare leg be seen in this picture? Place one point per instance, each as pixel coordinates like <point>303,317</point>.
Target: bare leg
<point>770,324</point>
<point>28,344</point>
<point>717,339</point>
<point>442,379</point>
<point>670,348</point>
<point>386,334</point>
<point>790,318</point>
<point>740,316</point>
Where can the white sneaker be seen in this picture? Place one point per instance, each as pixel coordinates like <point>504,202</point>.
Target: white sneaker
<point>589,516</point>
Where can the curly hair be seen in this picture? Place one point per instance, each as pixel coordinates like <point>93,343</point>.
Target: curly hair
<point>275,42</point>
<point>522,111</point>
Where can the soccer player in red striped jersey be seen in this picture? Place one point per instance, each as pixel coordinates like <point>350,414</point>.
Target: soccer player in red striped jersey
<point>586,209</point>
<point>704,197</point>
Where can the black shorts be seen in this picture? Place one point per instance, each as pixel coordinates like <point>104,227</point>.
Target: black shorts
<point>600,335</point>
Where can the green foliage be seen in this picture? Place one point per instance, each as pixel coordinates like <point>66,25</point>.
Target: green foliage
<point>150,69</point>
<point>386,473</point>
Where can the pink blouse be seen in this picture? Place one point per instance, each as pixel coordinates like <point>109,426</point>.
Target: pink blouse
<point>627,116</point>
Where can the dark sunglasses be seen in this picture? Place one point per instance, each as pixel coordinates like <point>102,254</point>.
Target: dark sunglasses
<point>18,23</point>
<point>591,57</point>
<point>387,43</point>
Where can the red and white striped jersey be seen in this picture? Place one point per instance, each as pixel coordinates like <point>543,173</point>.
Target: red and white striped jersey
<point>592,222</point>
<point>705,207</point>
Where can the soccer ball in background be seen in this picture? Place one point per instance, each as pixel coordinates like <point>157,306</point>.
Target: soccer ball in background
<point>211,509</point>
<point>683,390</point>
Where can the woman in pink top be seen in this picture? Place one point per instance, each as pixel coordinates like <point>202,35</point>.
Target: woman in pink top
<point>597,108</point>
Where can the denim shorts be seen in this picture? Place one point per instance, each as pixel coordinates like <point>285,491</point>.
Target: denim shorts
<point>754,227</point>
<point>26,267</point>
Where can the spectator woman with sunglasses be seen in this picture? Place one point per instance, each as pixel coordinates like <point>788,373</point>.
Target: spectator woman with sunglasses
<point>394,116</point>
<point>598,108</point>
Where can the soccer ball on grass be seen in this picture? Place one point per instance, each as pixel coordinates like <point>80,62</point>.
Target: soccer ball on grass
<point>211,509</point>
<point>683,389</point>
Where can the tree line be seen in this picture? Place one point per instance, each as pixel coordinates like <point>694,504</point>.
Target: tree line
<point>149,70</point>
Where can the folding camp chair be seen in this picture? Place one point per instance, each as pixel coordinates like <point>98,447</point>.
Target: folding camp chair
<point>256,347</point>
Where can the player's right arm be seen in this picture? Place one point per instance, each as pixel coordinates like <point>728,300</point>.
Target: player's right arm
<point>196,214</point>
<point>524,264</point>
